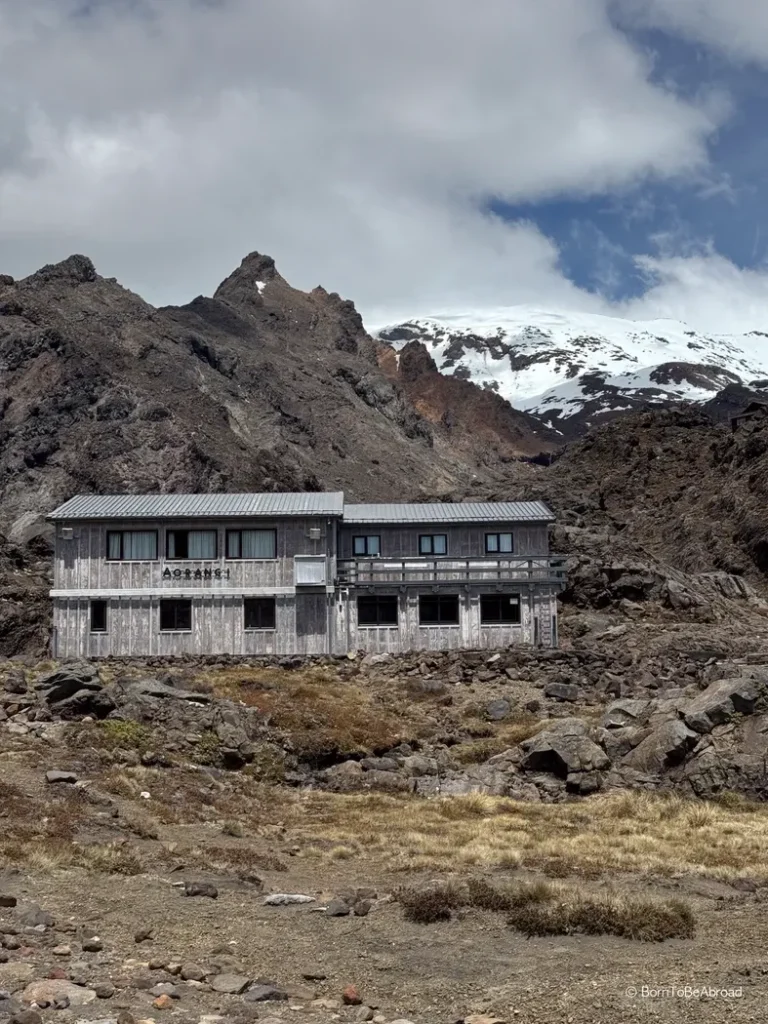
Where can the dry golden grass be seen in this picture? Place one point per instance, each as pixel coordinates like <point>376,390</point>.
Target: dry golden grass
<point>324,716</point>
<point>630,832</point>
<point>48,854</point>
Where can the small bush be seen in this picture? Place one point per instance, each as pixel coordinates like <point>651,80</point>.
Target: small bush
<point>484,896</point>
<point>739,803</point>
<point>232,828</point>
<point>427,906</point>
<point>638,919</point>
<point>127,734</point>
<point>209,749</point>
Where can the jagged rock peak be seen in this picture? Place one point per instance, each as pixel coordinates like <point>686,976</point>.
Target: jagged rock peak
<point>75,269</point>
<point>246,284</point>
<point>261,264</point>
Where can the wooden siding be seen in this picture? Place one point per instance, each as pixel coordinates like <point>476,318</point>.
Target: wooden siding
<point>133,628</point>
<point>537,606</point>
<point>463,541</point>
<point>81,564</point>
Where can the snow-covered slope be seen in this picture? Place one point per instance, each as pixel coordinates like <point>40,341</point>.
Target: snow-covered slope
<point>581,366</point>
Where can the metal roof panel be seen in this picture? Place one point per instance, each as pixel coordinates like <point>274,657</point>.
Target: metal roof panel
<point>191,506</point>
<point>449,512</point>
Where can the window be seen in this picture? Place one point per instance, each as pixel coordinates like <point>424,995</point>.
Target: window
<point>439,609</point>
<point>191,544</point>
<point>499,544</point>
<point>259,612</point>
<point>380,610</point>
<point>175,615</point>
<point>98,616</point>
<point>500,608</point>
<point>131,545</point>
<point>251,544</point>
<point>367,545</point>
<point>433,544</point>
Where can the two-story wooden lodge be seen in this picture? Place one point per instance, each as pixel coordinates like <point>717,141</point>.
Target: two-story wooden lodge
<point>251,574</point>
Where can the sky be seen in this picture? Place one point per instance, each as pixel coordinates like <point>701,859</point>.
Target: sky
<point>417,156</point>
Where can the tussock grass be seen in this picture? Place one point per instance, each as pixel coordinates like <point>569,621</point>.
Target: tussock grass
<point>542,908</point>
<point>489,740</point>
<point>629,832</point>
<point>639,919</point>
<point>427,906</point>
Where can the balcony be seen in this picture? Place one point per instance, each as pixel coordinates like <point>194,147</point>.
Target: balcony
<point>447,570</point>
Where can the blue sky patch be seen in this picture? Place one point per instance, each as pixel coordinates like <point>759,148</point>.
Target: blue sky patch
<point>599,236</point>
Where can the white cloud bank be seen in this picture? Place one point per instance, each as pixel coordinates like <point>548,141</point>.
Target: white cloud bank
<point>354,141</point>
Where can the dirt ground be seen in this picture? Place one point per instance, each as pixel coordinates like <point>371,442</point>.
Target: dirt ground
<point>434,973</point>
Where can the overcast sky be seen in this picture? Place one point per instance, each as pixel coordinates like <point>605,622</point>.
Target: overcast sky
<point>414,155</point>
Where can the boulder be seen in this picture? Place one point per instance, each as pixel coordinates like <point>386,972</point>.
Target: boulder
<point>720,702</point>
<point>497,710</point>
<point>55,776</point>
<point>62,683</point>
<point>664,748</point>
<point>94,703</point>
<point>344,777</point>
<point>55,991</point>
<point>622,713</point>
<point>618,742</point>
<point>562,691</point>
<point>230,984</point>
<point>417,765</point>
<point>563,754</point>
<point>388,782</point>
<point>584,783</point>
<point>161,691</point>
<point>201,889</point>
<point>380,764</point>
<point>265,992</point>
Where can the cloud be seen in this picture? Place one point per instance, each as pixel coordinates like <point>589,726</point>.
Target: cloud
<point>357,143</point>
<point>705,290</point>
<point>738,28</point>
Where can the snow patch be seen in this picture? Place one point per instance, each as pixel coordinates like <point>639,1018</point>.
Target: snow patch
<point>539,359</point>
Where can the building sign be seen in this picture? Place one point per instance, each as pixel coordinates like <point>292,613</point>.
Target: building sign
<point>196,574</point>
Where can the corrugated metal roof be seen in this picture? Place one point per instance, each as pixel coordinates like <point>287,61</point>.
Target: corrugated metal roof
<point>447,512</point>
<point>190,506</point>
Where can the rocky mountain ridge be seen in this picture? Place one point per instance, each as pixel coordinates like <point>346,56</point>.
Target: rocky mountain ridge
<point>262,387</point>
<point>259,387</point>
<point>576,370</point>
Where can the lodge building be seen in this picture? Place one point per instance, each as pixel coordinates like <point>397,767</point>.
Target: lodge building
<point>255,574</point>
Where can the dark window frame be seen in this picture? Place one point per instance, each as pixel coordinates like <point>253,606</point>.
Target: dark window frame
<point>260,603</point>
<point>242,558</point>
<point>441,602</point>
<point>103,606</point>
<point>498,536</point>
<point>189,558</point>
<point>366,537</point>
<point>503,601</point>
<point>165,604</point>
<point>378,599</point>
<point>431,538</point>
<point>122,558</point>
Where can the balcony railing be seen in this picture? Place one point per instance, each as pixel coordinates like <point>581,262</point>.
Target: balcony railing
<point>355,572</point>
